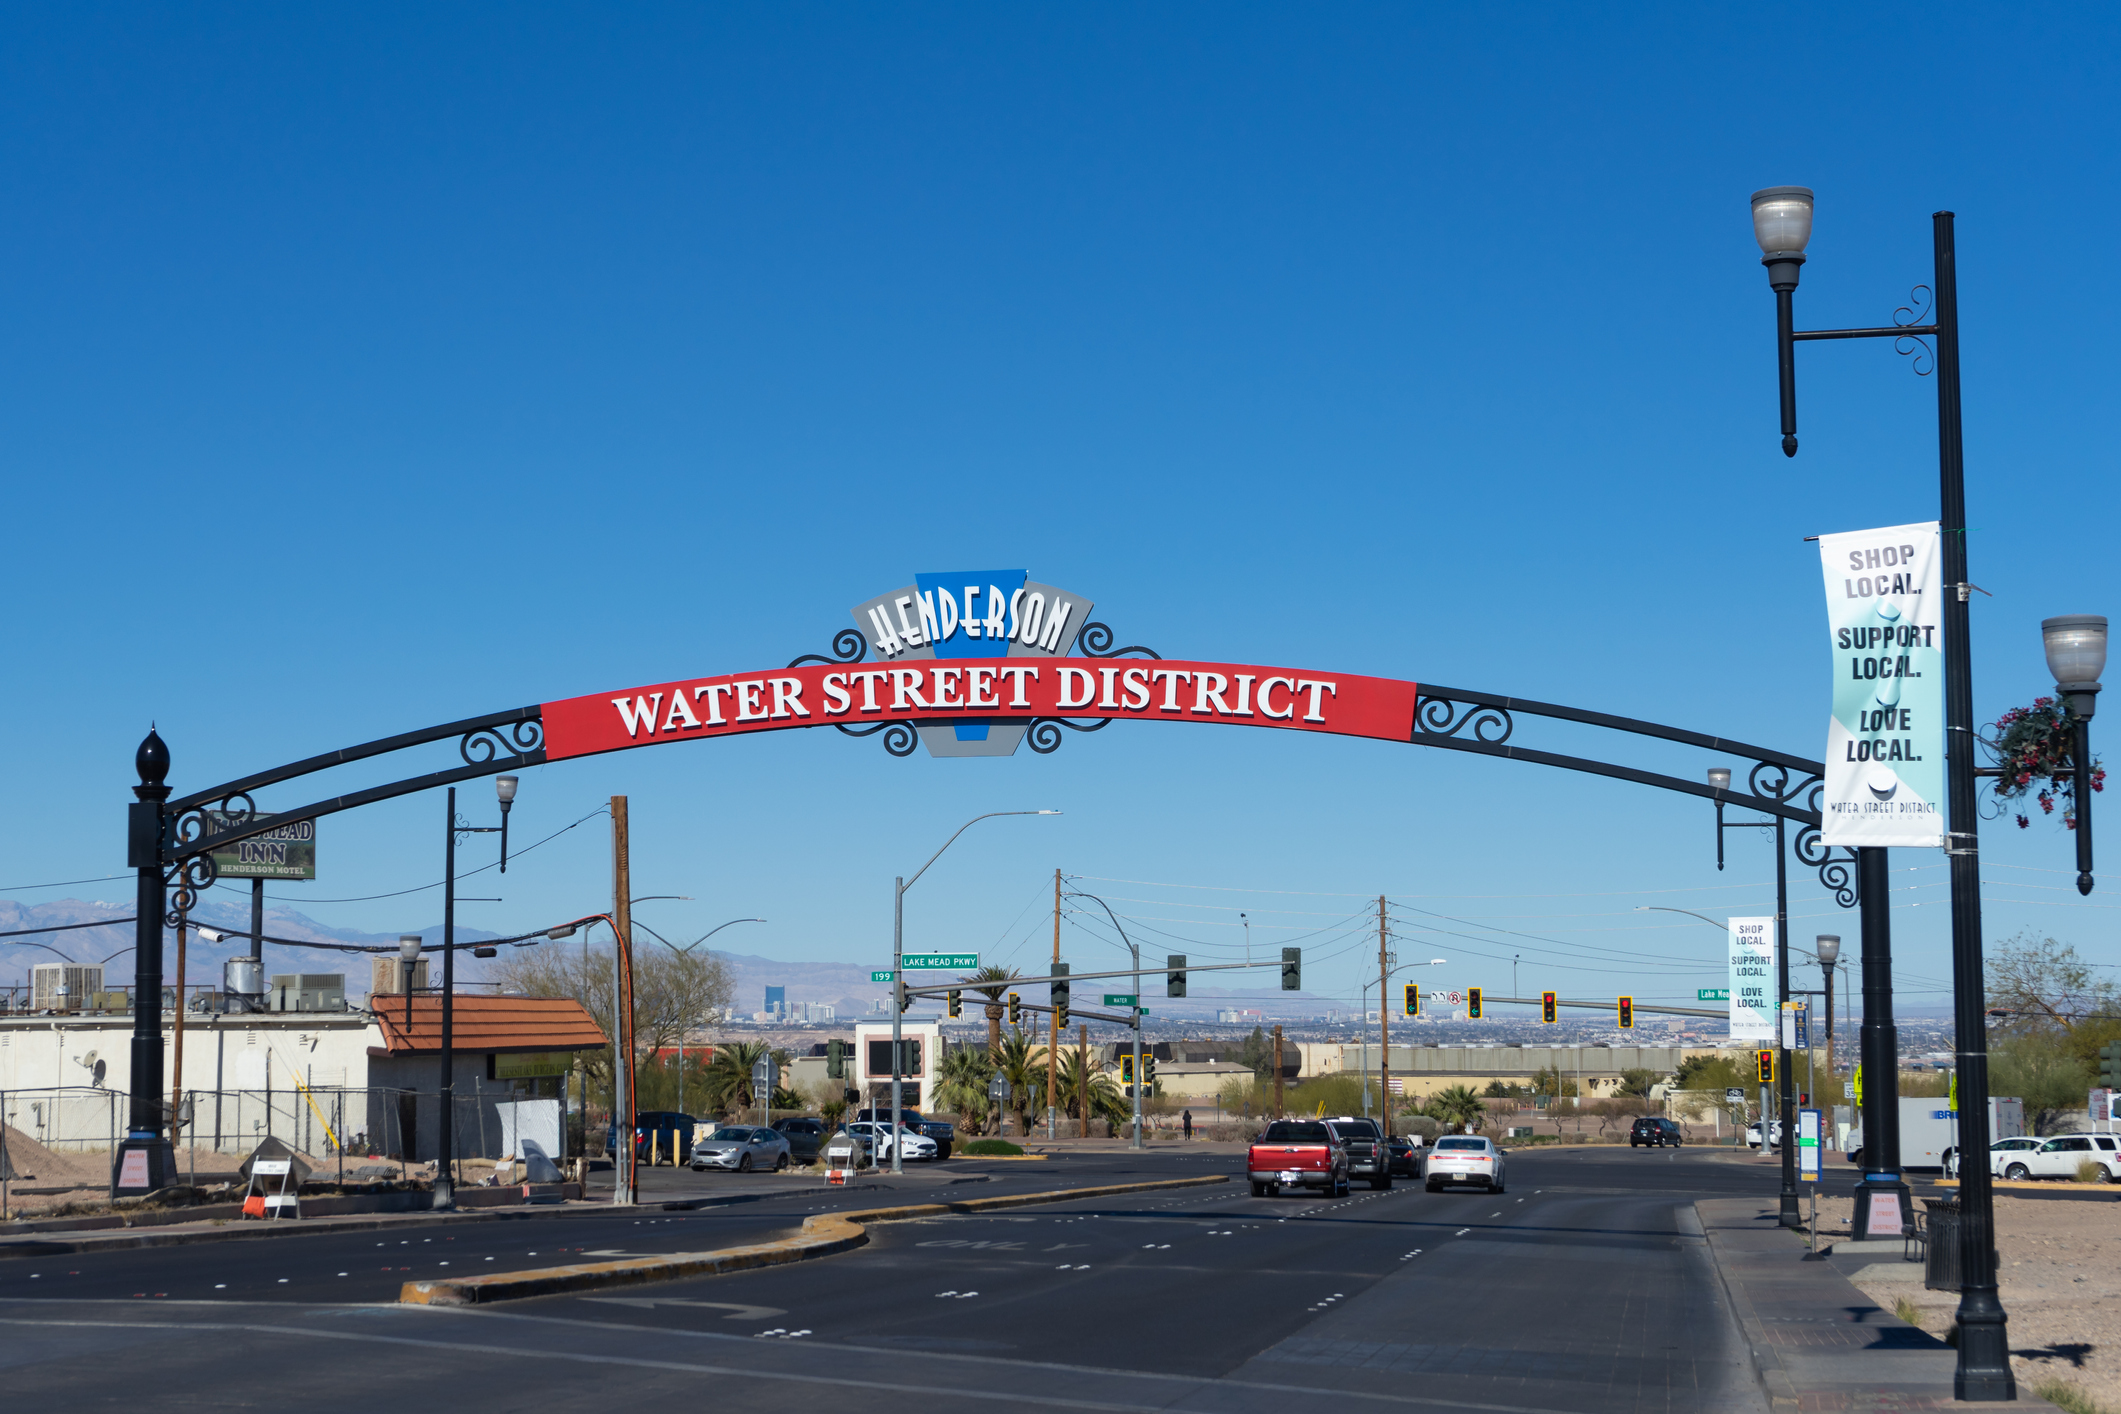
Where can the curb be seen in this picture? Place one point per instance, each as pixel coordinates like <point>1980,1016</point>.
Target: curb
<point>822,1235</point>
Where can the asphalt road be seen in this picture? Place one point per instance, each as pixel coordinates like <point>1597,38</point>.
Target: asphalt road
<point>1582,1288</point>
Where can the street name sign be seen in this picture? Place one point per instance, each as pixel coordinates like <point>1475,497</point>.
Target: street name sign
<point>1712,994</point>
<point>926,961</point>
<point>1122,998</point>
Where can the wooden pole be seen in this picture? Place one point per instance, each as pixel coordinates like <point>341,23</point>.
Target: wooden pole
<point>622,1076</point>
<point>1384,1024</point>
<point>1053,1021</point>
<point>1277,1070</point>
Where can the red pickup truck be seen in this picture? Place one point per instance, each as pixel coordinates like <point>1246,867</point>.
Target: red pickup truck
<point>1298,1153</point>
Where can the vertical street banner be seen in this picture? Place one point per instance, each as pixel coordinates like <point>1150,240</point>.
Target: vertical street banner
<point>1753,979</point>
<point>1885,742</point>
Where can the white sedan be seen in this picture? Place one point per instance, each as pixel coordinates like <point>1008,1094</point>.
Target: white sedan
<point>1463,1161</point>
<point>918,1146</point>
<point>2000,1154</point>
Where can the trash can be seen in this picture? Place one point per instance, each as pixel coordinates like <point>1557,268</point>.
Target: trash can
<point>1941,1268</point>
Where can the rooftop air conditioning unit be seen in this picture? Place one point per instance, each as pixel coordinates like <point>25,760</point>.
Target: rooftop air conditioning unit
<point>63,986</point>
<point>307,991</point>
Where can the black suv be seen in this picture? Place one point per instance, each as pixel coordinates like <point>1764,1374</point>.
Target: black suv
<point>1367,1155</point>
<point>942,1132</point>
<point>1655,1132</point>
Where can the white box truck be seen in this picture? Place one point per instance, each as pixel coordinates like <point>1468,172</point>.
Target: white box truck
<point>1929,1130</point>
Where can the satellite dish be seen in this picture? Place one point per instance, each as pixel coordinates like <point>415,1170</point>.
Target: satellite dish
<point>86,1059</point>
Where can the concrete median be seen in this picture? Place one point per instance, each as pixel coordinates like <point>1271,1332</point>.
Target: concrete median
<point>822,1235</point>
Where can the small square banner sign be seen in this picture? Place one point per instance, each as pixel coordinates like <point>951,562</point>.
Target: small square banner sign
<point>132,1169</point>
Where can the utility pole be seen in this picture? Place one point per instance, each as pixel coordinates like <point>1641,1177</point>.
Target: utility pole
<point>1277,1070</point>
<point>1053,1026</point>
<point>623,1191</point>
<point>1384,1024</point>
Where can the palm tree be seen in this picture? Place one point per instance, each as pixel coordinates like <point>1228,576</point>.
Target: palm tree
<point>1457,1104</point>
<point>1105,1099</point>
<point>728,1079</point>
<point>1000,977</point>
<point>963,1088</point>
<point>1022,1062</point>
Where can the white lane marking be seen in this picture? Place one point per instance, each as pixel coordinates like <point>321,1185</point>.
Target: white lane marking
<point>1461,1232</point>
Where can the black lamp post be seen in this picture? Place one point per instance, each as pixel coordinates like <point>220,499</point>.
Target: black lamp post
<point>2076,655</point>
<point>1786,1081</point>
<point>1782,223</point>
<point>445,1161</point>
<point>1827,948</point>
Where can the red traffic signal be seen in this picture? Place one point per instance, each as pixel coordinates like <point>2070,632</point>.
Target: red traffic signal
<point>1767,1067</point>
<point>1549,1007</point>
<point>1627,1013</point>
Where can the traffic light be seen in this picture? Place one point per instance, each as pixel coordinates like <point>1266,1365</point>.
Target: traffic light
<point>1767,1067</point>
<point>1175,979</point>
<point>957,1002</point>
<point>1627,1013</point>
<point>1126,1067</point>
<point>835,1060</point>
<point>1413,1002</point>
<point>1292,969</point>
<point>1148,1071</point>
<point>905,998</point>
<point>1472,1003</point>
<point>1549,1007</point>
<point>1060,993</point>
<point>1016,1009</point>
<point>2110,1066</point>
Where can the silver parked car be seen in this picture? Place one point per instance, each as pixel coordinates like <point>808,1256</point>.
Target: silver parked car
<point>741,1148</point>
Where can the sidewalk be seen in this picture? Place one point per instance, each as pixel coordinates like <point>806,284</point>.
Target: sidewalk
<point>1817,1342</point>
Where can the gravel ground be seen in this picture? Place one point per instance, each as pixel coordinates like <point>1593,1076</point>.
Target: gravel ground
<point>2060,1281</point>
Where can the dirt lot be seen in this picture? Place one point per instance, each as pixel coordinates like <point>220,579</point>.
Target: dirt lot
<point>2061,1285</point>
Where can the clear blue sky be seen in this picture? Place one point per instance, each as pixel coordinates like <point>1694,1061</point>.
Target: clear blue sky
<point>360,371</point>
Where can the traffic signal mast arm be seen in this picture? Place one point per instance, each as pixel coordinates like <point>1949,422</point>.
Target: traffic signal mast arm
<point>1488,999</point>
<point>1076,1011</point>
<point>938,988</point>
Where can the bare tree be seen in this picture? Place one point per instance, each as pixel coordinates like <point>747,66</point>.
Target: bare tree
<point>672,992</point>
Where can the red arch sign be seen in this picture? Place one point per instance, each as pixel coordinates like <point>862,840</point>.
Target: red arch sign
<point>935,691</point>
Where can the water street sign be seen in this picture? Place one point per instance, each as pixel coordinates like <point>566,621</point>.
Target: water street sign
<point>1712,994</point>
<point>939,960</point>
<point>1121,998</point>
<point>880,977</point>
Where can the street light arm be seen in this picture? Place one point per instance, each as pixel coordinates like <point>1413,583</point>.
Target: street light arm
<point>1724,927</point>
<point>960,830</point>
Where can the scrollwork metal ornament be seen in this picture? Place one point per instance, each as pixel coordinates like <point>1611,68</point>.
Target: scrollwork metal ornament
<point>848,646</point>
<point>1044,732</point>
<point>194,825</point>
<point>1916,346</point>
<point>190,879</point>
<point>1440,716</point>
<point>1836,865</point>
<point>899,737</point>
<point>512,740</point>
<point>1095,641</point>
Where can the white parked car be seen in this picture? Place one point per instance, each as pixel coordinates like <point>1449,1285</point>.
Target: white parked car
<point>740,1148</point>
<point>881,1136</point>
<point>1465,1161</point>
<point>1999,1154</point>
<point>2059,1157</point>
<point>1752,1134</point>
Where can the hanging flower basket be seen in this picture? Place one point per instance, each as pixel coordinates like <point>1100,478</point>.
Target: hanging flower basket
<point>2032,749</point>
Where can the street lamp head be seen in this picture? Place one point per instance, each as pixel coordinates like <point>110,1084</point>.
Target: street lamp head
<point>1720,777</point>
<point>409,946</point>
<point>1828,946</point>
<point>1438,961</point>
<point>1782,223</point>
<point>1049,812</point>
<point>505,788</point>
<point>565,930</point>
<point>2076,655</point>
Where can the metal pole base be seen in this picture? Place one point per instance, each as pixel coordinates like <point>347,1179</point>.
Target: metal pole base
<point>445,1199</point>
<point>1875,1186</point>
<point>157,1166</point>
<point>1792,1215</point>
<point>1984,1370</point>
